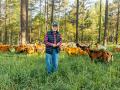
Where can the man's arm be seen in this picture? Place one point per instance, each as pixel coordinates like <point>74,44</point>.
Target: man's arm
<point>59,43</point>
<point>46,41</point>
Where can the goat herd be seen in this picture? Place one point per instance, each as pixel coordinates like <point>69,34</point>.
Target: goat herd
<point>97,53</point>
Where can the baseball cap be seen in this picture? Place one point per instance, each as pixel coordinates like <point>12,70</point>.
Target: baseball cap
<point>54,23</point>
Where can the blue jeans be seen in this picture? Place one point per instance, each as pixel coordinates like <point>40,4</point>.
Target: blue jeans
<point>52,61</point>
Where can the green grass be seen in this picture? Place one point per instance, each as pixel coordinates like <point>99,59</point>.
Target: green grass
<point>22,72</point>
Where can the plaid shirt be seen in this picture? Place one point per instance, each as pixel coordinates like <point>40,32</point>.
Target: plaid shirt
<point>51,44</point>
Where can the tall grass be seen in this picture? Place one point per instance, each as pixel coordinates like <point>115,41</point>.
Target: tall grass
<point>22,72</point>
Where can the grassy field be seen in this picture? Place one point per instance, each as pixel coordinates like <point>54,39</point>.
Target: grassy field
<point>22,72</point>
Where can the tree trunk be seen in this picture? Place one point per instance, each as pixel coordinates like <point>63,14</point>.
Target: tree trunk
<point>46,15</point>
<point>77,9</point>
<point>65,21</point>
<point>24,21</point>
<point>30,30</point>
<point>117,24</point>
<point>82,34</point>
<point>40,24</point>
<point>5,39</point>
<point>59,11</point>
<point>27,30</point>
<point>52,12</point>
<point>99,35</point>
<point>106,24</point>
<point>0,24</point>
<point>9,34</point>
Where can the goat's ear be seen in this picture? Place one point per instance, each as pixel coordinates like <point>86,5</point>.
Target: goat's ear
<point>77,44</point>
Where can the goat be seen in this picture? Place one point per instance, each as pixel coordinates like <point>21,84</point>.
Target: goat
<point>106,56</point>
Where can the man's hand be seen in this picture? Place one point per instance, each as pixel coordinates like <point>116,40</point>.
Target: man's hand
<point>58,44</point>
<point>54,45</point>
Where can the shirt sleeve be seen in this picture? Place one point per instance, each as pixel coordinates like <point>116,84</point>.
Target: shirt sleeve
<point>46,41</point>
<point>59,43</point>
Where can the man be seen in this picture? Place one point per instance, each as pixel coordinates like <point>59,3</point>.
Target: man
<point>52,41</point>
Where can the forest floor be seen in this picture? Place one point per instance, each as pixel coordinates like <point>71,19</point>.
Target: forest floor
<point>27,72</point>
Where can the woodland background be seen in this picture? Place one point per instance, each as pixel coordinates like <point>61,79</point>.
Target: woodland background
<point>27,21</point>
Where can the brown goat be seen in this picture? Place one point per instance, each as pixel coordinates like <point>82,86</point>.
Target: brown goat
<point>106,56</point>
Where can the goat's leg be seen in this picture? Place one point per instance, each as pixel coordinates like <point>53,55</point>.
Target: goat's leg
<point>92,60</point>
